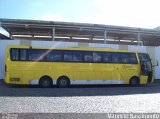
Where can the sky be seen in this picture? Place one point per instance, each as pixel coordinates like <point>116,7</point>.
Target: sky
<point>131,13</point>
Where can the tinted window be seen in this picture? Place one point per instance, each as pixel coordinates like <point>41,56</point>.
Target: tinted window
<point>129,58</point>
<point>143,57</point>
<point>67,55</point>
<point>72,56</point>
<point>54,56</point>
<point>116,57</point>
<point>23,54</point>
<point>88,56</point>
<point>77,56</point>
<point>36,55</point>
<point>14,54</point>
<point>132,58</point>
<point>107,57</point>
<point>125,58</point>
<point>97,57</point>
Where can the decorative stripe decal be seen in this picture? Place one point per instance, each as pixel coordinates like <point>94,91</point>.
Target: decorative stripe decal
<point>84,82</point>
<point>34,82</point>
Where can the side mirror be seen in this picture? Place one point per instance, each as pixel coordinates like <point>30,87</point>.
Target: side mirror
<point>155,64</point>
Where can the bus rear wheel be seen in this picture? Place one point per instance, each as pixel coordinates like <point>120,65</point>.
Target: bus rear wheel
<point>45,82</point>
<point>134,81</point>
<point>63,82</point>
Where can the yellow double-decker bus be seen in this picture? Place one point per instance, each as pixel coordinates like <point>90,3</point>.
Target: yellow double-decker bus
<point>75,65</point>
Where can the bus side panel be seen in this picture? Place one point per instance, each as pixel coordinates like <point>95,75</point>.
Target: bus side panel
<point>103,71</point>
<point>58,69</point>
<point>116,73</point>
<point>39,69</point>
<point>127,71</point>
<point>74,71</point>
<point>27,71</point>
<point>14,73</point>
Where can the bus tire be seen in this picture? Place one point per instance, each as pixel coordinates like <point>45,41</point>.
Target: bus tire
<point>63,82</point>
<point>45,82</point>
<point>134,81</point>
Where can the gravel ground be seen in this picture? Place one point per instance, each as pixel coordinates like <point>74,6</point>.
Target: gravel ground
<point>80,99</point>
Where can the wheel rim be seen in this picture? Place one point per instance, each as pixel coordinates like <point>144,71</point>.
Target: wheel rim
<point>134,82</point>
<point>63,82</point>
<point>46,83</point>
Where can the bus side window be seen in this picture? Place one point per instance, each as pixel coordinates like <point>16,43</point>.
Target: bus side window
<point>97,57</point>
<point>36,55</point>
<point>107,57</point>
<point>54,56</point>
<point>143,57</point>
<point>74,56</point>
<point>132,58</point>
<point>14,54</point>
<point>116,58</point>
<point>67,55</point>
<point>77,56</point>
<point>125,57</point>
<point>88,56</point>
<point>23,55</point>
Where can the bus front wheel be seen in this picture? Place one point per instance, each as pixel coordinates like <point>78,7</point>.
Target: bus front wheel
<point>134,81</point>
<point>45,82</point>
<point>63,82</point>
